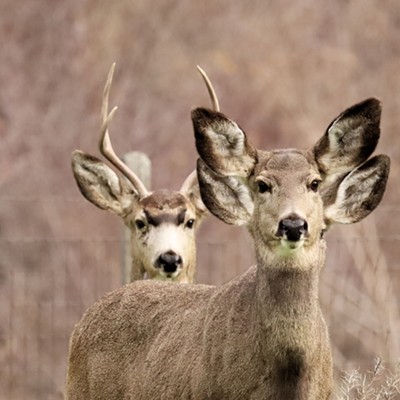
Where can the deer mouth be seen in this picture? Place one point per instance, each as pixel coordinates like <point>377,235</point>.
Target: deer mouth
<point>292,244</point>
<point>171,275</point>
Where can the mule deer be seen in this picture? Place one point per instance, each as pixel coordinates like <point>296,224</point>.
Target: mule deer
<point>162,222</point>
<point>262,335</point>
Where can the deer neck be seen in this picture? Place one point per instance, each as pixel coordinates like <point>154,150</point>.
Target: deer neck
<point>287,290</point>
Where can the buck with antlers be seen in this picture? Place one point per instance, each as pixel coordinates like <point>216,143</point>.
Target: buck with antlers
<point>162,222</point>
<point>262,335</point>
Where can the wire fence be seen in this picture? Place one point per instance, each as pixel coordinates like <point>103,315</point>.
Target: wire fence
<point>46,283</point>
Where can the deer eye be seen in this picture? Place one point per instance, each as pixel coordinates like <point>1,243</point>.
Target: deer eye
<point>190,223</point>
<point>264,187</point>
<point>315,185</point>
<point>140,224</point>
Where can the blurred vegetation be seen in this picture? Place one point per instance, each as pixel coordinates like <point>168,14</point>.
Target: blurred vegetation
<point>283,70</point>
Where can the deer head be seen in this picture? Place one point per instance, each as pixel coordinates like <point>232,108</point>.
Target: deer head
<point>288,198</point>
<point>162,222</point>
<point>261,335</point>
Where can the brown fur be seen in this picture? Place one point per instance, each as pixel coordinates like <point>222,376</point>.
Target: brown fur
<point>104,188</point>
<point>153,340</point>
<point>260,336</point>
<point>161,223</point>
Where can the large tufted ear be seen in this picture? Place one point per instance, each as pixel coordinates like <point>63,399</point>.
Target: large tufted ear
<point>222,144</point>
<point>350,139</point>
<point>101,185</point>
<point>359,193</point>
<point>227,197</point>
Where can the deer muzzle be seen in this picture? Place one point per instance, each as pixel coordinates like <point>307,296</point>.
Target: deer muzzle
<point>169,262</point>
<point>292,228</point>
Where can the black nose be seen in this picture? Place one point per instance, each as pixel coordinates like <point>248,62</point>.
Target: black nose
<point>292,228</point>
<point>169,261</point>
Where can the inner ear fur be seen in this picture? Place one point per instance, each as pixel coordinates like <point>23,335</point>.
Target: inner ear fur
<point>101,185</point>
<point>350,139</point>
<point>193,194</point>
<point>222,144</point>
<point>228,198</point>
<point>360,192</point>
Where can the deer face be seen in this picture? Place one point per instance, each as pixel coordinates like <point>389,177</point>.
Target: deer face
<point>162,223</point>
<point>288,198</point>
<point>288,209</point>
<point>163,228</point>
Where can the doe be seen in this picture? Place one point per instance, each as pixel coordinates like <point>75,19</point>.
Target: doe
<point>262,335</point>
<point>162,222</point>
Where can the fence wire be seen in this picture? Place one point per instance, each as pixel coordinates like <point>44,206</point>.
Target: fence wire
<point>47,281</point>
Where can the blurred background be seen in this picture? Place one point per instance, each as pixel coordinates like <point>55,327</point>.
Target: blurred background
<point>283,70</point>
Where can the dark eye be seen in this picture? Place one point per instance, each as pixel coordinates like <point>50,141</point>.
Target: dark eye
<point>140,224</point>
<point>264,187</point>
<point>190,223</point>
<point>315,185</point>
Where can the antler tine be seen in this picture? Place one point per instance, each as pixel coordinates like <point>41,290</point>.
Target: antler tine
<point>105,145</point>
<point>191,179</point>
<point>210,89</point>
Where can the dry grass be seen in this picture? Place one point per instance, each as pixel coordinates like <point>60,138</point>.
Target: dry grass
<point>381,383</point>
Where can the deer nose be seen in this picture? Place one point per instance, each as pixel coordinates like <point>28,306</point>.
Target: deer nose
<point>169,261</point>
<point>292,228</point>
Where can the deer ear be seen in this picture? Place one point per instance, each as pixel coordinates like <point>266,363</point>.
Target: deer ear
<point>195,198</point>
<point>227,197</point>
<point>190,189</point>
<point>222,144</point>
<point>101,185</point>
<point>350,139</point>
<point>359,193</point>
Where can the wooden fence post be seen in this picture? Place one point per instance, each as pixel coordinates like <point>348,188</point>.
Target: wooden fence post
<point>140,164</point>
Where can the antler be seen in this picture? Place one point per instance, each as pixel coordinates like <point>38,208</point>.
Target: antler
<point>191,180</point>
<point>210,89</point>
<point>105,146</point>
